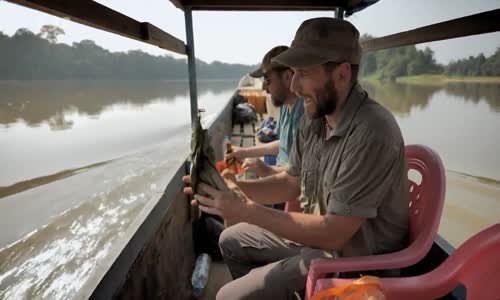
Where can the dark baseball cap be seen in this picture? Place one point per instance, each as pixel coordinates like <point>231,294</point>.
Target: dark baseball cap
<point>322,40</point>
<point>268,65</point>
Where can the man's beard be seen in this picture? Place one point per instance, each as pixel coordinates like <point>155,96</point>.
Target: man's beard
<point>279,98</point>
<point>327,99</point>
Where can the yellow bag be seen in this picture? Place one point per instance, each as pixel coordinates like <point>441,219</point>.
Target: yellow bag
<point>364,288</point>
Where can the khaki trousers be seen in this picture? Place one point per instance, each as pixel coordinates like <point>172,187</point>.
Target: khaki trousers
<point>263,265</point>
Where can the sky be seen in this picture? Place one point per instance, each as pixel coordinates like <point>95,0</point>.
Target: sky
<point>244,37</point>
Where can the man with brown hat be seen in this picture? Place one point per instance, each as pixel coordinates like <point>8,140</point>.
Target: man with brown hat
<point>277,80</point>
<point>347,162</point>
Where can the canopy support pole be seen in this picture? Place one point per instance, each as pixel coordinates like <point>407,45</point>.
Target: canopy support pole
<point>188,16</point>
<point>339,13</point>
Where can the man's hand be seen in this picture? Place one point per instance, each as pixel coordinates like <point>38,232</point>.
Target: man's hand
<point>239,153</point>
<point>258,167</point>
<point>232,205</point>
<point>187,180</point>
<point>228,175</point>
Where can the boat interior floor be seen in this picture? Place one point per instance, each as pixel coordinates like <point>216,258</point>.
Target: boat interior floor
<point>218,277</point>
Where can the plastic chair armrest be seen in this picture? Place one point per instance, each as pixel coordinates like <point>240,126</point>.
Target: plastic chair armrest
<point>322,266</point>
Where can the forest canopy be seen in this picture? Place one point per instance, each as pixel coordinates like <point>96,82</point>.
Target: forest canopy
<point>26,55</point>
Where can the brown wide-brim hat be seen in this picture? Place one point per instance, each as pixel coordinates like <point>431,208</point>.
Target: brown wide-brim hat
<point>267,63</point>
<point>322,40</point>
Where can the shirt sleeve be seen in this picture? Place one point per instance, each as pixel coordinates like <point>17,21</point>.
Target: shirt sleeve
<point>278,124</point>
<point>366,175</point>
<point>298,114</point>
<point>295,158</point>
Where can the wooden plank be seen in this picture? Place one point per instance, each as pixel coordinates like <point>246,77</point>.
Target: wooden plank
<point>471,25</point>
<point>177,4</point>
<point>249,129</point>
<point>248,142</point>
<point>243,135</point>
<point>91,13</point>
<point>160,38</point>
<point>237,129</point>
<point>236,141</point>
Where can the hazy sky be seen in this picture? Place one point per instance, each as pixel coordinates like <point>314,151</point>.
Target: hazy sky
<point>244,37</point>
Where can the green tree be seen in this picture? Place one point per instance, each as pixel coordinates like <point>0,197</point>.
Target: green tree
<point>25,55</point>
<point>50,33</point>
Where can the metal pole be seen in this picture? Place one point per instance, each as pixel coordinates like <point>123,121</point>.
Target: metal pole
<point>191,64</point>
<point>339,13</point>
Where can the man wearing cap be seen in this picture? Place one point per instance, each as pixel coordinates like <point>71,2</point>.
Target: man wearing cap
<point>347,163</point>
<point>277,79</point>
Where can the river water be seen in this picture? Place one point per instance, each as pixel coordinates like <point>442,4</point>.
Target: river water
<point>80,160</point>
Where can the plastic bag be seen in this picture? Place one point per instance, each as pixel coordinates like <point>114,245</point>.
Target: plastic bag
<point>244,113</point>
<point>364,288</point>
<point>267,132</point>
<point>238,99</point>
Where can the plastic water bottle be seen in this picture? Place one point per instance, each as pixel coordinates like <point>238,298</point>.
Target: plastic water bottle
<point>200,274</point>
<point>226,141</point>
<point>248,174</point>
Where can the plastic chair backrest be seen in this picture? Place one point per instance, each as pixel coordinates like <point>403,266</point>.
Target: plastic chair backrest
<point>475,264</point>
<point>426,196</point>
<point>426,200</point>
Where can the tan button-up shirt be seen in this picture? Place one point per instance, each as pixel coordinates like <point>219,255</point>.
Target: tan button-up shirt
<point>358,169</point>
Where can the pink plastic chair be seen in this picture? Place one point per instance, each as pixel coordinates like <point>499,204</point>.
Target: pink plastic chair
<point>475,264</point>
<point>425,207</point>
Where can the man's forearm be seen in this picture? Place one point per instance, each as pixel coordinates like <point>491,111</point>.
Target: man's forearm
<point>266,170</point>
<point>271,148</point>
<point>329,232</point>
<point>274,189</point>
<point>277,170</point>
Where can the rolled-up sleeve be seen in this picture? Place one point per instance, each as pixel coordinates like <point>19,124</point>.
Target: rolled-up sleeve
<point>295,159</point>
<point>365,176</point>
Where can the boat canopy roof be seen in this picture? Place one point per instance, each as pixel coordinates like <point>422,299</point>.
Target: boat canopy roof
<point>350,6</point>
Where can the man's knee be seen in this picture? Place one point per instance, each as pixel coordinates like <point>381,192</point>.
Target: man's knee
<point>272,281</point>
<point>226,292</point>
<point>230,239</point>
<point>248,287</point>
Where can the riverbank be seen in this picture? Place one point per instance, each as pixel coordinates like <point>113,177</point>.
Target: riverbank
<point>443,79</point>
<point>438,80</point>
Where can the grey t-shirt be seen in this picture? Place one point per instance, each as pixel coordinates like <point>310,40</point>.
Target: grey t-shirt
<point>358,170</point>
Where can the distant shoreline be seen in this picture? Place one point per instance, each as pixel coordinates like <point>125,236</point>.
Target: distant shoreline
<point>125,80</point>
<point>431,79</point>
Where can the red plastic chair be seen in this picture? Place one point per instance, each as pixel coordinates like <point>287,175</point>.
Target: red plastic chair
<point>475,264</point>
<point>425,207</point>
